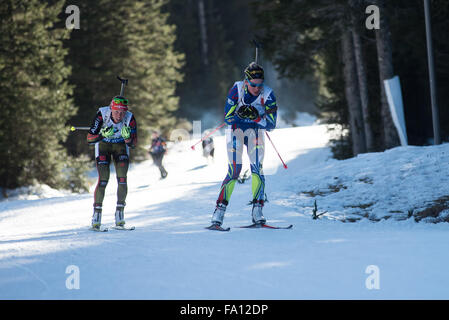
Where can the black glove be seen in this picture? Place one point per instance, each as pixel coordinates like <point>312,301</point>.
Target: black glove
<point>248,112</point>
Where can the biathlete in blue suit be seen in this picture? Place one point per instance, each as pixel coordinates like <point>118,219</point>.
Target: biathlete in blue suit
<point>250,110</point>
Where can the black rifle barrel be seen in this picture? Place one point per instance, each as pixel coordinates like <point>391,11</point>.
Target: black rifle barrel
<point>124,83</point>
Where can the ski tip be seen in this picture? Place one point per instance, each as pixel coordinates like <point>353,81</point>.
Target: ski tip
<point>276,227</point>
<point>266,226</point>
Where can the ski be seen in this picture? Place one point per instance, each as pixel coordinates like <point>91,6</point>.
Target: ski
<point>99,229</point>
<point>216,227</point>
<point>123,228</point>
<point>258,225</point>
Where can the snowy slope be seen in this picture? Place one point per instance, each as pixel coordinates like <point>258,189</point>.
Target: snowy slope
<point>171,256</point>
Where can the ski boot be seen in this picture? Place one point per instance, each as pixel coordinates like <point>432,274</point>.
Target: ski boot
<point>96,217</point>
<point>218,215</point>
<point>164,173</point>
<point>217,218</point>
<point>256,214</point>
<point>120,215</point>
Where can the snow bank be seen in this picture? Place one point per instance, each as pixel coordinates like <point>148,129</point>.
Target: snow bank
<point>34,192</point>
<point>398,183</point>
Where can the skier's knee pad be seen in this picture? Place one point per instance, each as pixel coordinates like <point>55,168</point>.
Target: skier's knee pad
<point>103,160</point>
<point>121,181</point>
<point>102,183</point>
<point>122,158</point>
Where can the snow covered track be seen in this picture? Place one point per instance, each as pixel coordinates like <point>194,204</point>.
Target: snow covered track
<point>45,244</point>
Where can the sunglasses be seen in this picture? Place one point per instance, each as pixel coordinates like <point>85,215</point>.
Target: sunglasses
<point>252,84</point>
<point>123,101</point>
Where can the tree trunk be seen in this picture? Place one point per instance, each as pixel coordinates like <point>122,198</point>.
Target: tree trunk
<point>352,94</point>
<point>363,88</point>
<point>203,32</point>
<point>386,71</point>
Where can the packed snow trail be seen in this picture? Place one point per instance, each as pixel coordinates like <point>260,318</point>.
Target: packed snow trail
<point>171,256</point>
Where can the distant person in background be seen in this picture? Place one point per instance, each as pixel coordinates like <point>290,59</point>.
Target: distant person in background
<point>208,148</point>
<point>157,151</point>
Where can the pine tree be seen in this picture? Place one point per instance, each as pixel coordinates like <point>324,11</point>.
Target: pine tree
<point>300,36</point>
<point>386,71</point>
<point>362,76</point>
<point>96,54</point>
<point>152,65</point>
<point>353,94</point>
<point>34,94</point>
<point>205,86</point>
<point>134,40</point>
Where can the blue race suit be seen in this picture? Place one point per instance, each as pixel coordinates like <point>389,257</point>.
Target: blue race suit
<point>249,133</point>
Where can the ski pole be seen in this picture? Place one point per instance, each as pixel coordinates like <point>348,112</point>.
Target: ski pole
<point>285,166</point>
<point>72,128</point>
<point>209,134</point>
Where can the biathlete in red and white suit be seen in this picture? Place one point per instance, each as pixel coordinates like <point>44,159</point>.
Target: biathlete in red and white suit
<point>113,132</point>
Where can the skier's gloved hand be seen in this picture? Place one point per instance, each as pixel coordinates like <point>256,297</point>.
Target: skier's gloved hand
<point>126,132</point>
<point>248,112</point>
<point>107,132</point>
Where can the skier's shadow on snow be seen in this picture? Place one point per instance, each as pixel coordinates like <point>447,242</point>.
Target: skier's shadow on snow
<point>199,167</point>
<point>51,236</point>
